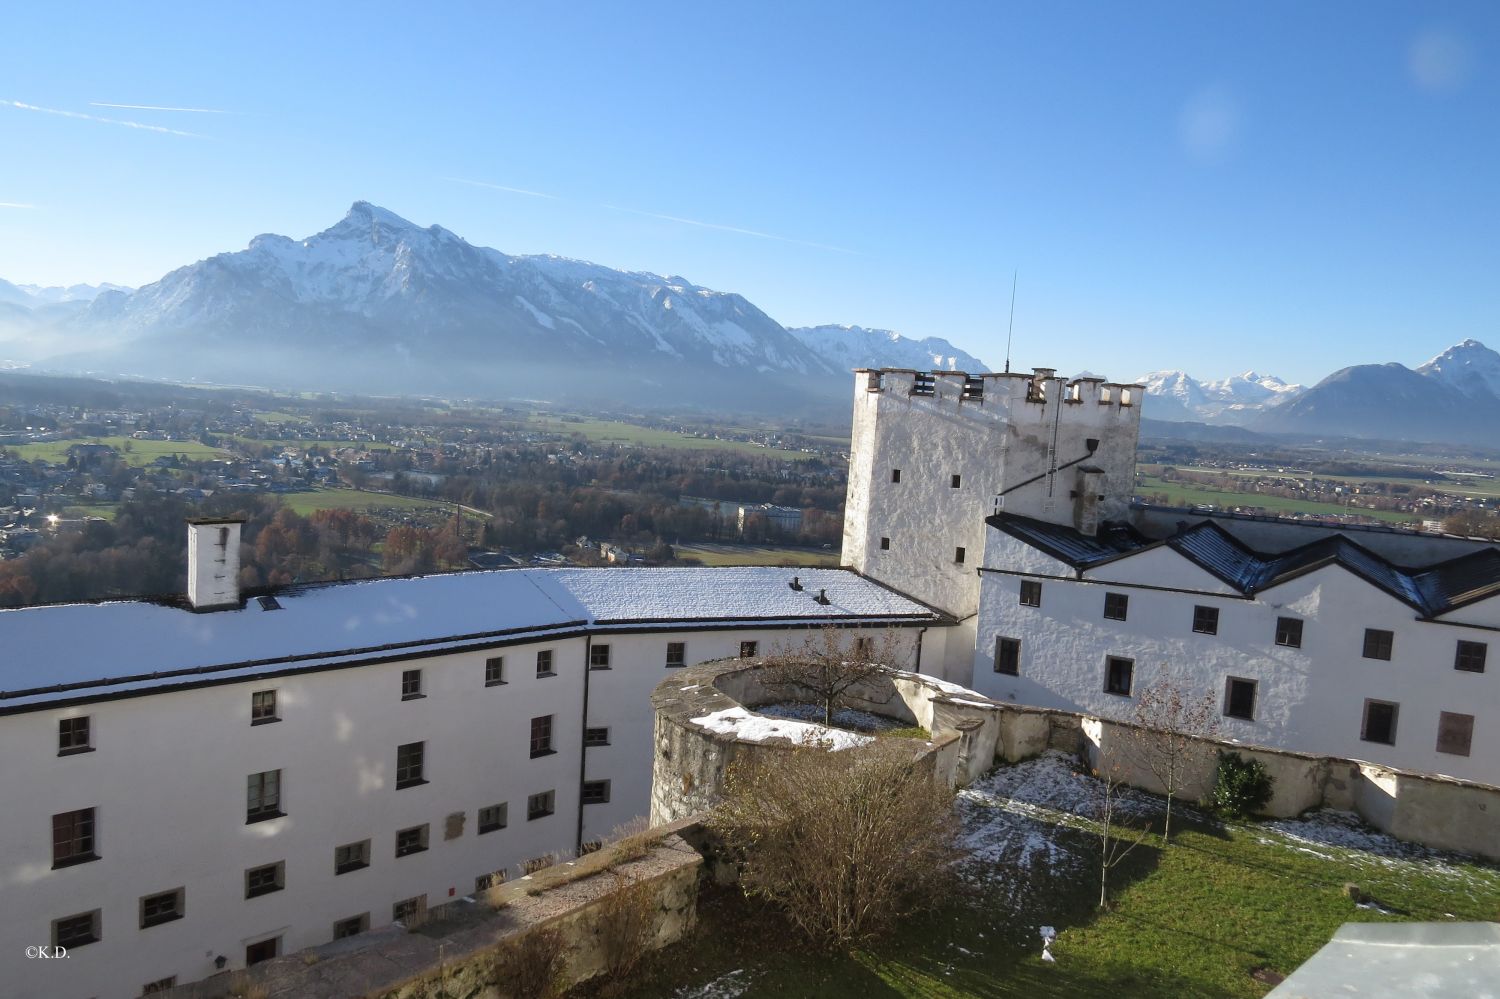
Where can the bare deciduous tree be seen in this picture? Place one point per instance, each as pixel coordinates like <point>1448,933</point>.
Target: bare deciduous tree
<point>829,664</point>
<point>1116,838</point>
<point>847,843</point>
<point>1170,726</point>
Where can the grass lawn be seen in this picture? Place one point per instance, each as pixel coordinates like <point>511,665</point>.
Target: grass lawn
<point>612,431</point>
<point>356,499</point>
<point>710,554</point>
<point>1195,919</point>
<point>134,452</point>
<point>105,511</point>
<point>1456,485</point>
<point>1182,494</point>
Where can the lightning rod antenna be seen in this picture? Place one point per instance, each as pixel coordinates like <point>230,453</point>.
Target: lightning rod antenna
<point>1012,328</point>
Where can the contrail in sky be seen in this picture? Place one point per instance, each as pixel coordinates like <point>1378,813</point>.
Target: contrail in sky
<point>108,121</point>
<point>733,228</point>
<point>154,107</point>
<point>501,187</point>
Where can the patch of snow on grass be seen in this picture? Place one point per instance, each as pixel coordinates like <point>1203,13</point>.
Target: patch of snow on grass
<point>749,727</point>
<point>1345,836</point>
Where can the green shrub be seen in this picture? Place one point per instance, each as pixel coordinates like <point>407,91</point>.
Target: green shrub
<point>1241,787</point>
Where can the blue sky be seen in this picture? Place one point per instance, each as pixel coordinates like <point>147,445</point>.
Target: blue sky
<point>1288,186</point>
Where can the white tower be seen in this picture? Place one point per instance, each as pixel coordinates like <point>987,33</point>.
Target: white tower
<point>214,563</point>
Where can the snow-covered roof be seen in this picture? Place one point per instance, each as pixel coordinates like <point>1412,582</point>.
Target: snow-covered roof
<point>81,651</point>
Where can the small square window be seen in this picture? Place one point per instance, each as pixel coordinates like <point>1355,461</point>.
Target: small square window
<point>1380,722</point>
<point>958,556</point>
<point>265,879</point>
<point>676,654</point>
<point>885,544</point>
<point>263,796</point>
<point>409,909</point>
<point>351,857</point>
<point>73,838</point>
<point>540,805</point>
<point>1206,620</point>
<point>76,931</point>
<point>595,792</point>
<point>1455,733</point>
<point>1118,675</point>
<point>409,760</point>
<point>955,482</point>
<point>1239,698</point>
<point>1008,656</point>
<point>263,707</point>
<point>541,736</point>
<point>492,818</point>
<point>494,671</point>
<point>1289,632</point>
<point>1379,643</point>
<point>596,736</point>
<point>544,663</point>
<point>1470,657</point>
<point>748,649</point>
<point>1116,606</point>
<point>351,927</point>
<point>73,736</point>
<point>411,684</point>
<point>412,840</point>
<point>262,950</point>
<point>1031,593</point>
<point>598,656</point>
<point>895,475</point>
<point>163,907</point>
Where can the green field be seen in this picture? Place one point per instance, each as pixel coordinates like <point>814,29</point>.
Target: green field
<point>1459,486</point>
<point>755,555</point>
<point>1185,494</point>
<point>104,511</point>
<point>615,432</point>
<point>357,499</point>
<point>134,452</point>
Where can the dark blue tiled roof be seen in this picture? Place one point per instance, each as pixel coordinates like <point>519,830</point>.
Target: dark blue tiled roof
<point>1073,547</point>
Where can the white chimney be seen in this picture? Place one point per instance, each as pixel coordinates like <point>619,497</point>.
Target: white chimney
<point>214,563</point>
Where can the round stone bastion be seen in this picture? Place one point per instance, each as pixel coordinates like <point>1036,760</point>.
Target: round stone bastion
<point>706,721</point>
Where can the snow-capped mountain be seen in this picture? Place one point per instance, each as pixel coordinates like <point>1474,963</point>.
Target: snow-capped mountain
<point>376,303</point>
<point>846,347</point>
<point>1470,367</point>
<point>72,293</point>
<point>1176,395</point>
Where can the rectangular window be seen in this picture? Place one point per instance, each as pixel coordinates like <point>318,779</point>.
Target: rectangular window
<point>409,909</point>
<point>747,650</point>
<point>76,931</point>
<point>1116,606</point>
<point>955,482</point>
<point>409,759</point>
<point>412,840</point>
<point>1239,698</point>
<point>885,544</point>
<point>1206,620</point>
<point>73,736</point>
<point>1380,722</point>
<point>263,796</point>
<point>895,475</point>
<point>494,671</point>
<point>1031,593</point>
<point>1118,675</point>
<point>958,555</point>
<point>351,927</point>
<point>596,736</point>
<point>1378,643</point>
<point>544,663</point>
<point>1008,656</point>
<point>598,657</point>
<point>411,684</point>
<point>262,950</point>
<point>1470,658</point>
<point>351,857</point>
<point>73,838</point>
<point>676,654</point>
<point>263,707</point>
<point>539,805</point>
<point>492,818</point>
<point>541,736</point>
<point>266,879</point>
<point>596,792</point>
<point>1455,733</point>
<point>1289,632</point>
<point>162,907</point>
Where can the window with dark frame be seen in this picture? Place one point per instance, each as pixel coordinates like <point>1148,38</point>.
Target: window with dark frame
<point>411,684</point>
<point>1380,722</point>
<point>411,840</point>
<point>351,857</point>
<point>408,909</point>
<point>265,879</point>
<point>159,986</point>
<point>747,649</point>
<point>409,760</point>
<point>73,736</point>
<point>540,805</point>
<point>351,927</point>
<point>1116,606</point>
<point>494,671</point>
<point>1455,733</point>
<point>76,931</point>
<point>73,838</point>
<point>1289,632</point>
<point>596,736</point>
<point>1378,644</point>
<point>544,663</point>
<point>163,907</point>
<point>885,544</point>
<point>1119,674</point>
<point>541,736</point>
<point>595,792</point>
<point>1205,620</point>
<point>263,707</point>
<point>262,950</point>
<point>1470,658</point>
<point>676,654</point>
<point>955,481</point>
<point>1008,656</point>
<point>895,475</point>
<point>598,656</point>
<point>958,556</point>
<point>263,796</point>
<point>1031,593</point>
<point>1239,698</point>
<point>492,818</point>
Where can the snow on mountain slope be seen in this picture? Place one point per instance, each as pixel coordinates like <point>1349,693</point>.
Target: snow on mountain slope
<point>1470,367</point>
<point>846,347</point>
<point>72,293</point>
<point>1176,395</point>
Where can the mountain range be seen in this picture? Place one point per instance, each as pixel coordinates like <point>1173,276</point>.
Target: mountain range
<point>378,304</point>
<point>1176,395</point>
